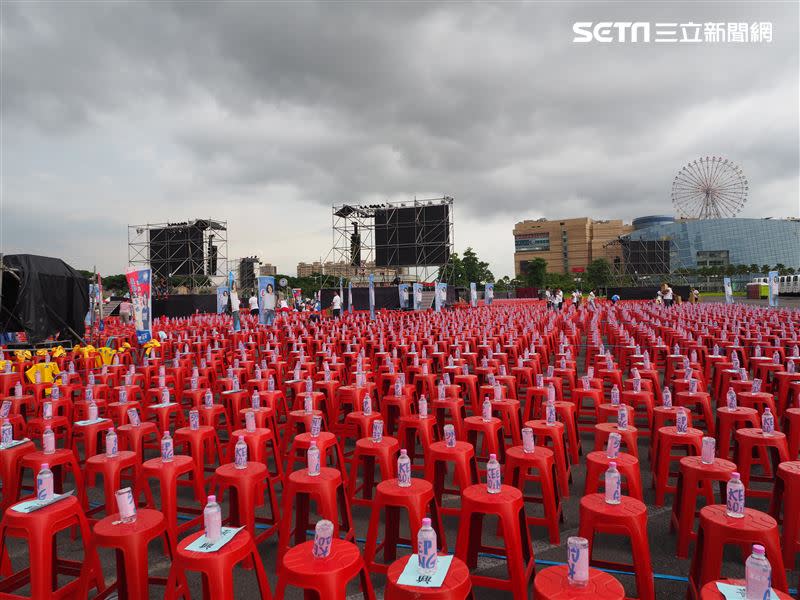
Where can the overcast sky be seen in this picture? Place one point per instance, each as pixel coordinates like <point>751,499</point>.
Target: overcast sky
<point>266,114</point>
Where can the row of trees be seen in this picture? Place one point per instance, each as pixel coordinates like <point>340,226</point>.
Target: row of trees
<point>727,270</point>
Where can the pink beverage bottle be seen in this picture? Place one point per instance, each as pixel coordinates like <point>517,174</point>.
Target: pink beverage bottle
<point>133,417</point>
<point>208,399</point>
<point>577,561</point>
<point>323,538</point>
<point>449,436</point>
<point>735,497</point>
<point>112,446</point>
<point>493,479</point>
<point>167,448</point>
<point>308,404</point>
<point>377,431</point>
<point>692,385</point>
<point>250,421</point>
<point>48,441</point>
<point>165,396</point>
<point>194,419</point>
<point>708,450</point>
<point>486,410</point>
<point>423,407</point>
<point>403,469</point>
<point>637,385</point>
<point>312,459</point>
<point>612,448</point>
<point>240,453</point>
<point>613,489</point>
<point>615,395</point>
<point>126,505</point>
<point>92,410</point>
<point>6,433</point>
<point>316,425</point>
<point>55,392</point>
<point>47,410</point>
<point>44,483</point>
<point>426,549</point>
<point>730,398</point>
<point>212,519</point>
<point>255,400</point>
<point>767,422</point>
<point>366,405</point>
<point>622,417</point>
<point>758,575</point>
<point>666,397</point>
<point>528,441</point>
<point>550,412</point>
<point>585,382</point>
<point>539,380</point>
<point>681,420</point>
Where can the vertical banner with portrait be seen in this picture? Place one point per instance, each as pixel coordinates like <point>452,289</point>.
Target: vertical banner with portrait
<point>267,299</point>
<point>417,291</point>
<point>141,298</point>
<point>222,299</point>
<point>341,290</point>
<point>488,294</point>
<point>441,295</point>
<point>372,296</point>
<point>350,296</point>
<point>726,284</point>
<point>473,294</point>
<point>774,279</point>
<point>402,291</point>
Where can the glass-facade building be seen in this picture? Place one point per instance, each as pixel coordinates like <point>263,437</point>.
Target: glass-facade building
<point>735,241</point>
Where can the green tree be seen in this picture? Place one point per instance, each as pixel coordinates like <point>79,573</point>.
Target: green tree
<point>753,268</point>
<point>598,273</point>
<point>535,273</point>
<point>765,269</point>
<point>474,268</point>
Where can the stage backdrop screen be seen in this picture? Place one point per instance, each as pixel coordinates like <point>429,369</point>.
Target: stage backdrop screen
<point>176,251</point>
<point>419,235</point>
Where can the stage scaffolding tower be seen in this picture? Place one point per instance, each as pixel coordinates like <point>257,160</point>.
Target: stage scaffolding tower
<point>355,247</point>
<point>189,253</point>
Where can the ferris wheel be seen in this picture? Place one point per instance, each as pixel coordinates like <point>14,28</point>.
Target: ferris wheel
<point>710,187</point>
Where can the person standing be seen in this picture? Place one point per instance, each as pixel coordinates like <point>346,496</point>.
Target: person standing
<point>336,304</point>
<point>548,298</point>
<point>253,302</point>
<point>666,293</point>
<point>125,308</point>
<point>234,300</point>
<point>559,299</point>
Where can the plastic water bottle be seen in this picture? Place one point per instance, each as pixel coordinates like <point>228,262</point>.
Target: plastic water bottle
<point>47,410</point>
<point>681,420</point>
<point>758,575</point>
<point>212,519</point>
<point>6,433</point>
<point>735,497</point>
<point>486,410</point>
<point>730,399</point>
<point>44,483</point>
<point>708,450</point>
<point>426,549</point>
<point>366,405</point>
<point>126,505</point>
<point>577,561</point>
<point>112,445</point>
<point>550,412</point>
<point>312,459</point>
<point>449,436</point>
<point>240,454</point>
<point>423,407</point>
<point>167,448</point>
<point>377,431</point>
<point>615,395</point>
<point>622,417</point>
<point>767,422</point>
<point>208,399</point>
<point>308,404</point>
<point>528,441</point>
<point>250,421</point>
<point>194,419</point>
<point>493,480</point>
<point>316,425</point>
<point>613,485</point>
<point>666,397</point>
<point>612,448</point>
<point>323,538</point>
<point>403,469</point>
<point>92,410</point>
<point>48,441</point>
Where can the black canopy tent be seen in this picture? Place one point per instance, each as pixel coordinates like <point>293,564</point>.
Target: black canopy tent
<point>42,296</point>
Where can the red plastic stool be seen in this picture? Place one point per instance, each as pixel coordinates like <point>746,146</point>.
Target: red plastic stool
<point>695,478</point>
<point>418,501</point>
<point>44,566</point>
<point>134,437</point>
<point>669,439</point>
<point>297,422</point>
<point>718,529</point>
<point>710,591</point>
<point>728,421</point>
<point>791,427</point>
<point>518,467</point>
<point>786,495</point>
<point>60,461</point>
<point>509,508</point>
<point>394,408</point>
<point>552,583</point>
<point>168,475</point>
<point>246,489</point>
<point>457,584</point>
<point>327,491</point>
<point>111,469</point>
<point>130,541</point>
<point>413,429</point>
<point>628,518</point>
<point>490,436</point>
<point>88,436</point>
<point>450,410</point>
<point>261,447</point>
<point>10,459</point>
<point>553,436</point>
<point>701,400</point>
<point>204,448</point>
<point>217,568</point>
<point>773,450</point>
<point>328,576</point>
<point>60,426</point>
<point>629,437</point>
<point>330,451</point>
<point>366,455</point>
<point>465,470</point>
<point>597,463</point>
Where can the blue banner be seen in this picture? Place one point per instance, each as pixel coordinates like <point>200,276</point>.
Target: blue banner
<point>488,294</point>
<point>371,296</point>
<point>350,296</point>
<point>417,291</point>
<point>473,295</point>
<point>726,283</point>
<point>402,291</point>
<point>774,279</point>
<point>139,284</point>
<point>267,300</point>
<point>441,295</point>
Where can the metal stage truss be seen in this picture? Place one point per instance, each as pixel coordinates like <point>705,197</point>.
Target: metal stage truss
<point>643,262</point>
<point>414,237</point>
<point>189,253</point>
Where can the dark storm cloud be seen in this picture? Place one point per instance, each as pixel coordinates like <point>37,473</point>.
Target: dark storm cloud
<point>490,103</point>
